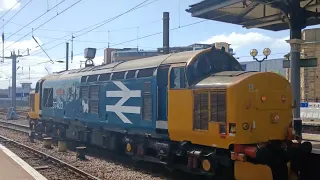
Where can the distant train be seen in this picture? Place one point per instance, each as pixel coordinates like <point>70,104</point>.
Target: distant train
<point>198,111</point>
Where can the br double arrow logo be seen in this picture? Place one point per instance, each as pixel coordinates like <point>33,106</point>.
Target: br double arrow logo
<point>125,94</point>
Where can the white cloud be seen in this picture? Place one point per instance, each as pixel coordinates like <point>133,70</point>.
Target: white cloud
<point>37,64</point>
<point>281,43</point>
<point>8,4</point>
<point>239,40</point>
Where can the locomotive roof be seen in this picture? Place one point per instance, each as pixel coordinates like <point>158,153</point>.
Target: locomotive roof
<point>150,62</point>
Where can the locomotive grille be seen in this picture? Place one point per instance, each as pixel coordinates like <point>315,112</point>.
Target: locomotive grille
<point>147,102</point>
<point>201,115</point>
<point>84,92</point>
<point>94,92</point>
<point>208,106</point>
<point>218,106</point>
<point>94,99</point>
<point>93,106</point>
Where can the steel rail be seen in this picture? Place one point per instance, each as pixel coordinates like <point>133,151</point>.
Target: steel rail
<point>64,164</point>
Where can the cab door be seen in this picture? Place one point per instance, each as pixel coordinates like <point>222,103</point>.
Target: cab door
<point>180,104</point>
<point>162,97</point>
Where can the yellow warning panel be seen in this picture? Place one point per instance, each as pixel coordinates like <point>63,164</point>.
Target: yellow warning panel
<point>249,171</point>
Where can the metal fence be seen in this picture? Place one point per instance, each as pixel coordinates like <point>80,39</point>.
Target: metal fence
<point>5,103</point>
<point>311,111</point>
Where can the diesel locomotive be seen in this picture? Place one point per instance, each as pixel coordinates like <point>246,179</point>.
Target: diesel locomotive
<point>198,111</point>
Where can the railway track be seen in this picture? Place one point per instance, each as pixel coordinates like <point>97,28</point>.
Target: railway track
<point>154,170</point>
<point>25,130</point>
<point>311,128</point>
<point>48,166</point>
<point>15,126</point>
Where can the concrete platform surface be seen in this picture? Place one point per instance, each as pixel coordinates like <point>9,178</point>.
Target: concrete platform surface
<point>13,167</point>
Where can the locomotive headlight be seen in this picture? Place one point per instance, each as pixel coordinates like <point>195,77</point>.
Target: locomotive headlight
<point>263,98</point>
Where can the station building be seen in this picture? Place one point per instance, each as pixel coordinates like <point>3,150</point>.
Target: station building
<point>269,65</point>
<point>125,54</point>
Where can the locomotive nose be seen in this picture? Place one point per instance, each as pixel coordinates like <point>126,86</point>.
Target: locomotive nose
<point>265,101</point>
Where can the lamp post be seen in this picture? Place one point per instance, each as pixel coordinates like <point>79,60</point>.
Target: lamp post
<point>254,53</point>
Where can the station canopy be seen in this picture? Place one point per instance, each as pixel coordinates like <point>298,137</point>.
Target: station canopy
<point>263,14</point>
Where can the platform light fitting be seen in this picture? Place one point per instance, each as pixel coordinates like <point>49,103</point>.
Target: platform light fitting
<point>254,52</point>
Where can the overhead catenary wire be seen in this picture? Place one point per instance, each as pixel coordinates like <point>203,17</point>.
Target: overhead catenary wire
<point>16,13</point>
<point>116,30</point>
<point>97,24</point>
<point>44,23</point>
<point>97,31</point>
<point>35,19</point>
<point>113,18</point>
<point>10,9</point>
<point>154,34</point>
<point>150,34</point>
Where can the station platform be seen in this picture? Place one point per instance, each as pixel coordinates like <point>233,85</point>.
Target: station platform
<point>13,167</point>
<point>314,139</point>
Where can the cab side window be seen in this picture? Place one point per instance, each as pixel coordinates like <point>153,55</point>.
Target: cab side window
<point>178,78</point>
<point>37,88</point>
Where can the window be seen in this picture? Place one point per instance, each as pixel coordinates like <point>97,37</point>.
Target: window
<point>104,77</point>
<point>212,62</point>
<point>94,99</point>
<point>147,101</point>
<point>145,73</point>
<point>131,74</point>
<point>218,106</point>
<point>118,75</point>
<point>177,78</point>
<point>92,78</point>
<point>37,88</point>
<point>84,79</point>
<point>48,97</point>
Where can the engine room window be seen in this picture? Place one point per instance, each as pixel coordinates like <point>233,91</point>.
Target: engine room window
<point>118,75</point>
<point>84,79</point>
<point>48,97</point>
<point>104,77</point>
<point>145,73</point>
<point>178,78</point>
<point>92,78</point>
<point>131,74</point>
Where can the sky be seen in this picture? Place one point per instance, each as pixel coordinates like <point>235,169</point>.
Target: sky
<point>59,22</point>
